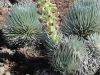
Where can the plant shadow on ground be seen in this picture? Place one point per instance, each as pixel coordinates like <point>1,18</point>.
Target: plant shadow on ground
<point>19,64</point>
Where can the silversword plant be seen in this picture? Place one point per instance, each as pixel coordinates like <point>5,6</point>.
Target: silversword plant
<point>22,25</point>
<point>68,55</point>
<point>82,18</point>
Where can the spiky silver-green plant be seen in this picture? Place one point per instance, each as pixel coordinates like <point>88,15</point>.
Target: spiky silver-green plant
<point>82,18</point>
<point>22,24</point>
<point>94,39</point>
<point>68,55</point>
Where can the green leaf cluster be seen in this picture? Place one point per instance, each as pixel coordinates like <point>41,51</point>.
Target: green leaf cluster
<point>94,39</point>
<point>68,55</point>
<point>22,24</point>
<point>82,18</point>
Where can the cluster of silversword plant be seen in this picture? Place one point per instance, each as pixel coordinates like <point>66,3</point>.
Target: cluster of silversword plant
<point>27,23</point>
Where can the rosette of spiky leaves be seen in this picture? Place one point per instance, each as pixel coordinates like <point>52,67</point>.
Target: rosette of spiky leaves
<point>82,18</point>
<point>22,25</point>
<point>48,17</point>
<point>68,55</point>
<point>94,39</point>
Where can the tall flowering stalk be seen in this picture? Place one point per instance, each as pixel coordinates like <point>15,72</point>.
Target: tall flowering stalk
<point>48,18</point>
